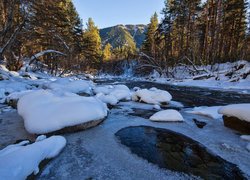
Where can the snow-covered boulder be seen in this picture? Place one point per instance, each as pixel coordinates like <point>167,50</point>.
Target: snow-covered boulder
<point>152,96</point>
<point>120,92</point>
<point>245,137</point>
<point>77,86</point>
<point>241,111</point>
<point>167,116</point>
<point>18,161</point>
<point>211,112</point>
<point>237,116</point>
<point>45,112</point>
<point>108,99</point>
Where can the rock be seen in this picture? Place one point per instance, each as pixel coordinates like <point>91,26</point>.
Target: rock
<point>79,127</point>
<point>203,76</point>
<point>237,124</point>
<point>84,94</point>
<point>199,124</point>
<point>12,103</point>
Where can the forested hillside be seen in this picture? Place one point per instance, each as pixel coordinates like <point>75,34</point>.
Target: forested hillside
<point>121,35</point>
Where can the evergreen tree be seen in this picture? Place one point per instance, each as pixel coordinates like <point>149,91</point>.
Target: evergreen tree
<point>92,44</point>
<point>149,45</point>
<point>107,54</point>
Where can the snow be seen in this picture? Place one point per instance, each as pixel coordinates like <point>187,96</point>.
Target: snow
<point>78,86</point>
<point>17,95</point>
<point>152,96</point>
<point>220,77</point>
<point>18,161</point>
<point>167,115</point>
<point>245,137</point>
<point>157,107</point>
<point>248,147</point>
<point>211,112</point>
<point>240,111</point>
<point>44,111</point>
<point>108,99</point>
<point>120,92</point>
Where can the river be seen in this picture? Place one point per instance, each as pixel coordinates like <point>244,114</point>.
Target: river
<point>98,154</point>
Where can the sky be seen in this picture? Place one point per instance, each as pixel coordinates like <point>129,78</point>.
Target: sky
<point>106,13</point>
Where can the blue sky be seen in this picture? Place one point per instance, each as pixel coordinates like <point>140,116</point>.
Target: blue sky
<point>107,13</point>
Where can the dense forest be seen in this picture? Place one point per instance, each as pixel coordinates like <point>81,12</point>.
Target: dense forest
<point>198,34</point>
<point>50,34</point>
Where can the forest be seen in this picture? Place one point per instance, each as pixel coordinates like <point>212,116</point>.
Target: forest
<point>53,36</point>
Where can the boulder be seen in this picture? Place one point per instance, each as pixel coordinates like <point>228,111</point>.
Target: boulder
<point>76,128</point>
<point>237,124</point>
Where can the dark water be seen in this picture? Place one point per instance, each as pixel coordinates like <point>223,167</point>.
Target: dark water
<point>176,152</point>
<point>194,96</point>
<point>191,96</point>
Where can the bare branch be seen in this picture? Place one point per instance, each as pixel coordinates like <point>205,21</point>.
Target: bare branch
<point>42,53</point>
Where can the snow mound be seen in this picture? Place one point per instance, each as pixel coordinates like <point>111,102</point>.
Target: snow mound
<point>240,111</point>
<point>157,107</point>
<point>45,112</point>
<point>18,161</point>
<point>152,96</point>
<point>77,86</point>
<point>245,137</point>
<point>120,92</point>
<point>167,115</point>
<point>211,112</point>
<point>108,99</point>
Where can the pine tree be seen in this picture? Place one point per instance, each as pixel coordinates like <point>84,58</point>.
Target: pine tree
<point>149,45</point>
<point>92,44</point>
<point>107,54</point>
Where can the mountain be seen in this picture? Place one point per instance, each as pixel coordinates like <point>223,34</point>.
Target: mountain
<point>121,35</point>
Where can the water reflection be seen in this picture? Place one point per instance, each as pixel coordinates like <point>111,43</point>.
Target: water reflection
<point>177,152</point>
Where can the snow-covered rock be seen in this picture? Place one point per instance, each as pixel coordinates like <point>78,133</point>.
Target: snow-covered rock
<point>152,96</point>
<point>245,137</point>
<point>108,99</point>
<point>77,86</point>
<point>211,112</point>
<point>157,107</point>
<point>18,161</point>
<point>167,115</point>
<point>120,92</point>
<point>103,89</point>
<point>44,111</point>
<point>240,111</point>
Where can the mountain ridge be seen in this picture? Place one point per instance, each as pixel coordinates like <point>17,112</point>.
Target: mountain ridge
<point>120,35</point>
